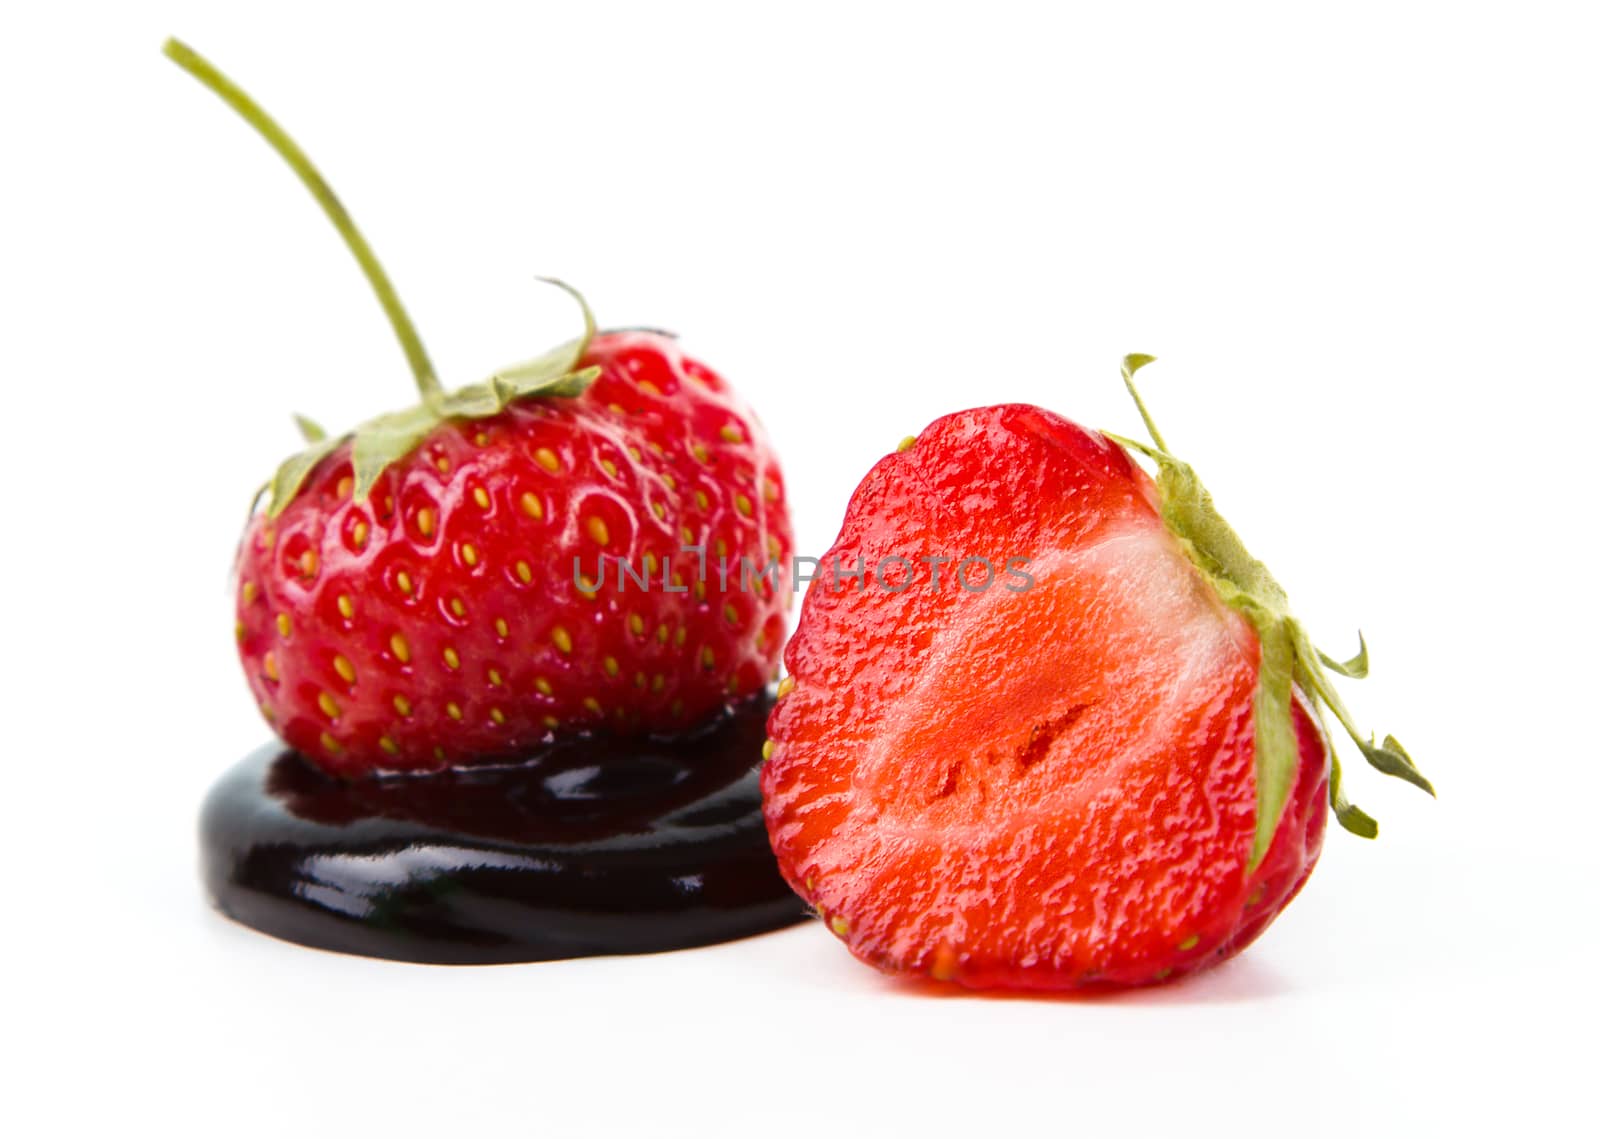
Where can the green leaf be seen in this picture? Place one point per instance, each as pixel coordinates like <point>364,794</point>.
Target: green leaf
<point>310,430</point>
<point>1277,744</point>
<point>1351,817</point>
<point>475,401</point>
<point>543,374</point>
<point>569,386</point>
<point>1355,668</point>
<point>385,440</point>
<point>1391,759</point>
<point>291,474</point>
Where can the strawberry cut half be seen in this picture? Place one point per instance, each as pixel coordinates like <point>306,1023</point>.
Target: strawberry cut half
<point>1018,743</point>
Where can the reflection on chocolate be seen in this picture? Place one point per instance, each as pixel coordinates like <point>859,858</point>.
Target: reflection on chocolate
<point>590,846</point>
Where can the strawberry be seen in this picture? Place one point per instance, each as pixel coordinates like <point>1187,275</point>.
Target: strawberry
<point>593,539</point>
<point>1047,725</point>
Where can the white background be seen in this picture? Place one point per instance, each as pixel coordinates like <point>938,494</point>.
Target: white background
<point>1361,237</point>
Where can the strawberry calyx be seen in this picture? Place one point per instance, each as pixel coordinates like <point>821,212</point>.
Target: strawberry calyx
<point>1289,660</point>
<point>384,440</point>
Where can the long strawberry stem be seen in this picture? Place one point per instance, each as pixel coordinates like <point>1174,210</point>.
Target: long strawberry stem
<point>248,109</point>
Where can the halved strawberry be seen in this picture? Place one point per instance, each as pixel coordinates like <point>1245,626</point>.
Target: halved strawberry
<point>1047,725</point>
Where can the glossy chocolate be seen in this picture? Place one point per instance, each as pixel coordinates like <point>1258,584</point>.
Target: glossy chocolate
<point>590,846</point>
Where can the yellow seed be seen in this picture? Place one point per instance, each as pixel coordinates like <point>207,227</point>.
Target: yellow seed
<point>481,497</point>
<point>676,708</point>
<point>269,665</point>
<point>649,388</point>
<point>403,580</point>
<point>650,563</point>
<point>402,705</point>
<point>497,716</point>
<point>401,650</point>
<point>611,666</point>
<point>668,481</point>
<point>438,753</point>
<point>524,572</point>
<point>907,443</point>
<point>658,682</point>
<point>662,633</point>
<point>268,713</point>
<point>785,686</point>
<point>453,710</point>
<point>347,608</point>
<point>547,459</point>
<point>501,628</point>
<point>346,485</point>
<point>458,607</point>
<point>731,434</point>
<point>732,686</point>
<point>701,500</point>
<point>741,503</point>
<point>481,439</point>
<point>774,547</point>
<point>329,706</point>
<point>722,548</point>
<point>562,639</point>
<point>769,490</point>
<point>358,534</point>
<point>699,451</point>
<point>761,639</point>
<point>238,631</point>
<point>388,745</point>
<point>730,614</point>
<point>452,659</point>
<point>839,925</point>
<point>442,463</point>
<point>687,535</point>
<point>592,704</point>
<point>708,659</point>
<point>284,625</point>
<point>551,722</point>
<point>681,635</point>
<point>329,744</point>
<point>635,454</point>
<point>699,590</point>
<point>598,530</point>
<point>469,553</point>
<point>531,506</point>
<point>346,670</point>
<point>658,509</point>
<point>635,624</point>
<point>1188,943</point>
<point>616,408</point>
<point>640,681</point>
<point>250,592</point>
<point>425,522</point>
<point>495,679</point>
<point>543,686</point>
<point>608,467</point>
<point>767,749</point>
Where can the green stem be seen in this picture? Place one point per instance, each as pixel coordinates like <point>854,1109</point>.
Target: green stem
<point>225,89</point>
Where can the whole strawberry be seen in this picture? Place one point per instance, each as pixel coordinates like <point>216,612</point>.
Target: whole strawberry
<point>1048,725</point>
<point>595,539</point>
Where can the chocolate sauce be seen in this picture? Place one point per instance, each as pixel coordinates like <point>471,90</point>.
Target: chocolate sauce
<point>589,846</point>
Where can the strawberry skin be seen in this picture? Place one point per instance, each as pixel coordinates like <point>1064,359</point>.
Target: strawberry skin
<point>1048,783</point>
<point>439,623</point>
